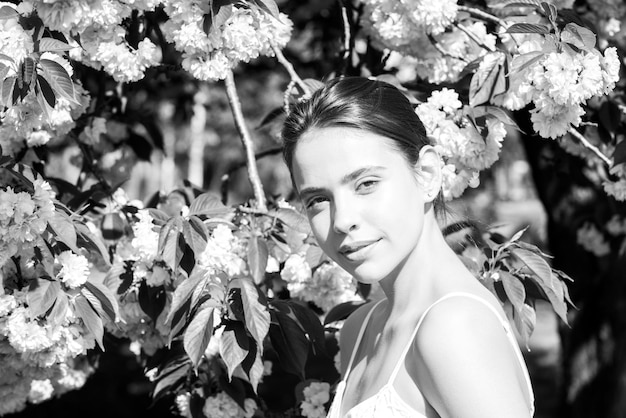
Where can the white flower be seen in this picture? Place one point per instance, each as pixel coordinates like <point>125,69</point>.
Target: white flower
<point>552,120</point>
<point>146,240</point>
<point>26,335</point>
<point>329,286</point>
<point>38,138</point>
<point>337,361</point>
<point>40,390</point>
<point>592,240</point>
<point>617,189</point>
<point>182,404</point>
<point>158,276</point>
<point>74,269</point>
<point>615,226</point>
<point>610,66</point>
<point>296,272</point>
<point>223,406</point>
<point>316,394</point>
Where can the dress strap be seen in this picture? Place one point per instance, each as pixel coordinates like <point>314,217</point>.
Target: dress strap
<point>472,296</point>
<point>360,337</point>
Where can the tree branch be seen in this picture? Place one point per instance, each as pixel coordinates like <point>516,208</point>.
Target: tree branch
<point>292,72</point>
<point>590,146</point>
<point>475,39</point>
<point>246,139</point>
<point>483,14</point>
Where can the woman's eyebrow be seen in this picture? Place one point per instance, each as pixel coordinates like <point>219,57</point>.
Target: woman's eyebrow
<point>344,180</point>
<point>358,173</point>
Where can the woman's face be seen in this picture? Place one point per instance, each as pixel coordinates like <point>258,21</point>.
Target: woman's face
<point>362,198</point>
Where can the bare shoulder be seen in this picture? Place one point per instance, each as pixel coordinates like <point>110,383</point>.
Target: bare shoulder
<point>350,332</point>
<point>466,364</point>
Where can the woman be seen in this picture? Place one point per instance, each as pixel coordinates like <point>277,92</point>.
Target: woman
<point>439,344</point>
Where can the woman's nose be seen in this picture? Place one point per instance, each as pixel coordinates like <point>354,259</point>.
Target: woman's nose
<point>345,217</point>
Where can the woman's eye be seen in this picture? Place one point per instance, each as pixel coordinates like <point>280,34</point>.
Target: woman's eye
<point>315,202</point>
<point>366,186</point>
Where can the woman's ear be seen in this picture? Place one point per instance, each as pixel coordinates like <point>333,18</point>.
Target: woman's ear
<point>428,172</point>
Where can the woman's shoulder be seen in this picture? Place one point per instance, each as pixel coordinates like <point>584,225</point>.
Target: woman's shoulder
<point>462,345</point>
<point>463,315</point>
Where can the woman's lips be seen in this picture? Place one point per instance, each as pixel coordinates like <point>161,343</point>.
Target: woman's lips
<point>357,251</point>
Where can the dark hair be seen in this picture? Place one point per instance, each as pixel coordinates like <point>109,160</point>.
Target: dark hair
<point>361,103</point>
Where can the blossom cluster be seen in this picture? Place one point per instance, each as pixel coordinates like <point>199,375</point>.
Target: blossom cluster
<point>464,147</point>
<point>245,34</point>
<point>102,35</point>
<point>326,286</point>
<point>410,29</point>
<point>316,394</point>
<point>221,405</point>
<point>39,359</point>
<point>138,254</point>
<point>23,217</point>
<point>558,84</point>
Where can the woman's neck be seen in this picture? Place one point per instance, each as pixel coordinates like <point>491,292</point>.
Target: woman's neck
<point>419,280</point>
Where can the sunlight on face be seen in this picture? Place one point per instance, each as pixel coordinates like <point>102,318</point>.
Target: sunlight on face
<point>362,198</point>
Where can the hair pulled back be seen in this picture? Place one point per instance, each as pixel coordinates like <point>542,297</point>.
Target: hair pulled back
<point>360,103</point>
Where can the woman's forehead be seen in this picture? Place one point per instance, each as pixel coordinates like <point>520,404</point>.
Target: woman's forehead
<point>338,151</point>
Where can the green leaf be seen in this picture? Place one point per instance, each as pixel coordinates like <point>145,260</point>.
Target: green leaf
<point>528,28</point>
<point>535,264</point>
<point>619,155</point>
<point>216,17</point>
<point>8,85</point>
<point>53,45</point>
<point>208,204</point>
<point>46,91</point>
<point>93,301</point>
<point>182,293</point>
<point>86,239</point>
<point>290,343</point>
<point>7,12</point>
<point>59,79</point>
<point>90,318</point>
<point>169,378</point>
<point>106,299</point>
<point>514,289</point>
<point>171,242</point>
<point>293,219</point>
<point>199,332</point>
<point>513,3</point>
<point>42,297</point>
<point>308,321</point>
<point>152,300</point>
<point>523,61</point>
<point>314,255</point>
<point>579,36</point>
<point>485,79</point>
<point>518,234</point>
<point>542,274</point>
<point>233,346</point>
<point>58,314</point>
<point>268,6</point>
<point>525,320</point>
<point>63,230</point>
<point>196,234</point>
<point>255,371</point>
<point>341,312</point>
<point>495,112</point>
<point>257,258</point>
<point>550,11</point>
<point>256,314</point>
